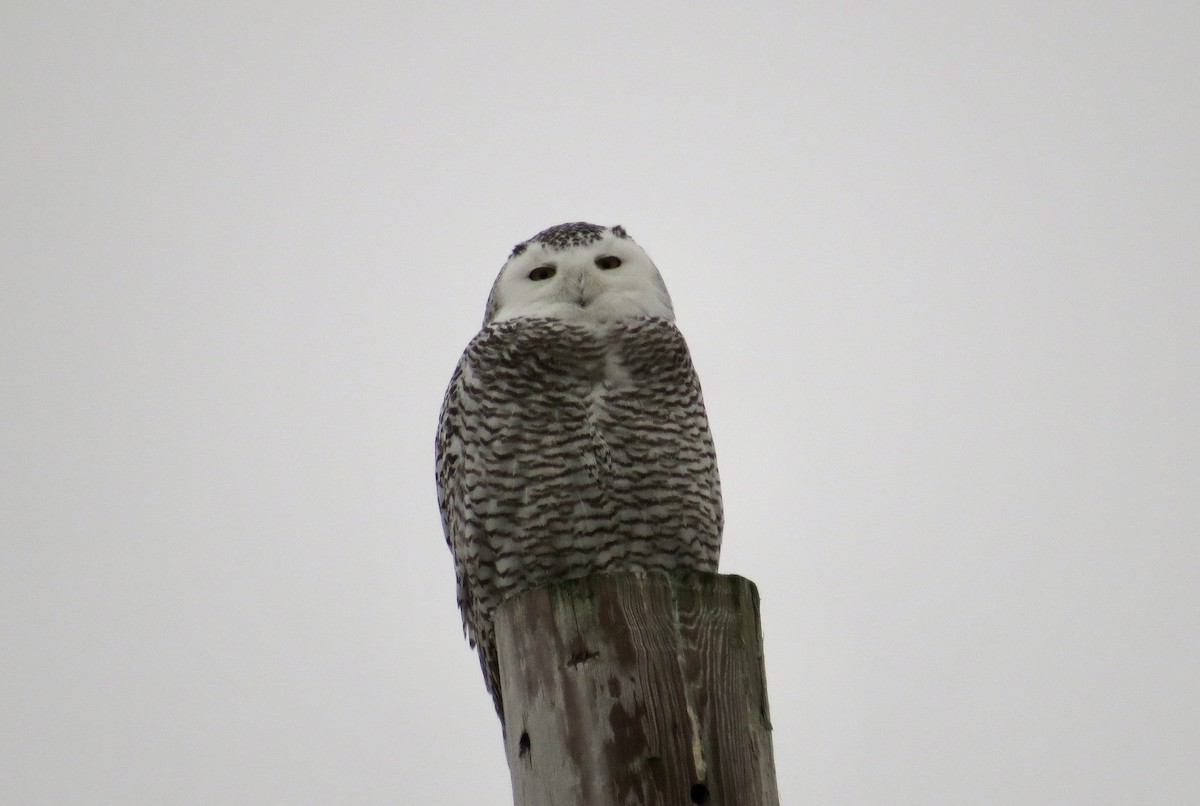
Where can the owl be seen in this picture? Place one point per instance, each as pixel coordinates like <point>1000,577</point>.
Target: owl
<point>573,438</point>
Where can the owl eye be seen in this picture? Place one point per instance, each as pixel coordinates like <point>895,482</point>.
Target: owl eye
<point>542,273</point>
<point>608,261</point>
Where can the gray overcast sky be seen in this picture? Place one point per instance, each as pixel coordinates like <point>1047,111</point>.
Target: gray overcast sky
<point>938,267</point>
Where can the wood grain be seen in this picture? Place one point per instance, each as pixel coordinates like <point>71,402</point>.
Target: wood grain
<point>636,689</point>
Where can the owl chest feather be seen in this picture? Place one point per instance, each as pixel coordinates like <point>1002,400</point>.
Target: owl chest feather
<point>577,406</point>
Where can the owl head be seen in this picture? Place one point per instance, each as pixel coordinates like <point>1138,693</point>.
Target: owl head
<point>581,273</point>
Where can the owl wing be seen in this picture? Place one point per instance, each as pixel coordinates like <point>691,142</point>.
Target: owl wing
<point>449,457</point>
<point>463,431</point>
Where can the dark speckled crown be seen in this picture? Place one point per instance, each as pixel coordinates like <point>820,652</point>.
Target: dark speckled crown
<point>565,236</point>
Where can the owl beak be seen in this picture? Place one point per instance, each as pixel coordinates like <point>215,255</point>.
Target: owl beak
<point>583,296</point>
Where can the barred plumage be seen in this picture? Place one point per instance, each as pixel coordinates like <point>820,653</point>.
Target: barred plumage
<point>573,440</point>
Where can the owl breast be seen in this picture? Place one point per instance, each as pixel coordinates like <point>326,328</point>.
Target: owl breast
<point>600,457</point>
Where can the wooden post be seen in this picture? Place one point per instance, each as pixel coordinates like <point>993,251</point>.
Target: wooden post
<point>638,689</point>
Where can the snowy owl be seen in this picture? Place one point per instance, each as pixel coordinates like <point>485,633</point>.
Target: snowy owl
<point>573,438</point>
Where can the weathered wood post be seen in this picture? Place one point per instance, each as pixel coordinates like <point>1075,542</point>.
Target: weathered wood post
<point>638,689</point>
